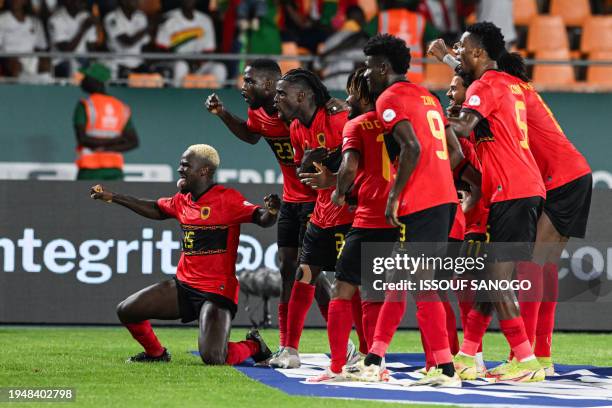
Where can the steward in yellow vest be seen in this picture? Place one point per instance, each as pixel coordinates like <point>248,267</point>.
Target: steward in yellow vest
<point>103,128</point>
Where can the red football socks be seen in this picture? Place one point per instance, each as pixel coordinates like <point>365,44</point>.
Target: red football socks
<point>338,331</point>
<point>358,321</point>
<point>371,310</point>
<point>429,358</point>
<point>514,330</point>
<point>240,351</point>
<point>529,300</point>
<point>282,323</point>
<point>474,331</point>
<point>546,317</point>
<point>301,299</point>
<point>432,321</point>
<point>143,333</point>
<point>451,327</point>
<point>389,319</point>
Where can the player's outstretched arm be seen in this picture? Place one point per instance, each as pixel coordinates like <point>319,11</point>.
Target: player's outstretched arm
<point>455,153</point>
<point>146,208</point>
<point>464,124</point>
<point>235,124</point>
<point>266,217</point>
<point>346,176</point>
<point>410,151</point>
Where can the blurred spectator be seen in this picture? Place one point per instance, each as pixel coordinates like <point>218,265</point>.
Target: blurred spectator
<point>20,31</point>
<point>498,12</point>
<point>187,31</point>
<point>267,39</point>
<point>301,24</point>
<point>103,128</point>
<point>72,29</point>
<point>250,12</point>
<point>346,44</point>
<point>127,32</point>
<point>401,19</point>
<point>445,17</point>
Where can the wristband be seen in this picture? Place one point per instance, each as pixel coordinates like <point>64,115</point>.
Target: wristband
<point>450,61</point>
<point>272,211</point>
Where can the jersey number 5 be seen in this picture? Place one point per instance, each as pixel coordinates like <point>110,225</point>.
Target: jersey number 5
<point>436,125</point>
<point>521,120</point>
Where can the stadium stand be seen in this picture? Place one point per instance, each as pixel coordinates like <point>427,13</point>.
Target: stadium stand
<point>573,12</point>
<point>553,76</point>
<point>145,80</point>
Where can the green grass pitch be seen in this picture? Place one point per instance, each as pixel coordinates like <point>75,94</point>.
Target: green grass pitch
<point>91,360</point>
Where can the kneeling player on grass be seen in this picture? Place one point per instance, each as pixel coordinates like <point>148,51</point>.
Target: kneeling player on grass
<point>205,287</point>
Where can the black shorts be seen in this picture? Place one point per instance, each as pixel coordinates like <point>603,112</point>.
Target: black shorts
<point>350,265</point>
<point>190,302</point>
<point>429,225</point>
<point>568,206</point>
<point>513,223</point>
<point>292,221</point>
<point>322,246</point>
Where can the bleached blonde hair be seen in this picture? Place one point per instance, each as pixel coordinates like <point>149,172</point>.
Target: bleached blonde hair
<point>205,152</point>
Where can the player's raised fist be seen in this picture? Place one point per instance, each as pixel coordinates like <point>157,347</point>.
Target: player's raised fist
<point>272,203</point>
<point>97,192</point>
<point>213,104</point>
<point>438,49</point>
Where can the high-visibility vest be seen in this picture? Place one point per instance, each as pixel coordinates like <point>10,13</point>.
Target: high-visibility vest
<point>106,118</point>
<point>410,27</point>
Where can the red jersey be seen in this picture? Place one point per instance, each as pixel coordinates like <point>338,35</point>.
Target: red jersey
<point>431,182</point>
<point>325,130</point>
<point>276,133</point>
<point>458,229</point>
<point>365,135</point>
<point>476,218</point>
<point>509,170</point>
<point>557,158</point>
<point>211,231</point>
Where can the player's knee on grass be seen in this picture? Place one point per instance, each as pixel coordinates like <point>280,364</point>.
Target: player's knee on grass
<point>212,355</point>
<point>215,324</point>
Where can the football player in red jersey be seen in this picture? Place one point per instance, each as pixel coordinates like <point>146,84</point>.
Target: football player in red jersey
<point>569,183</point>
<point>467,175</point>
<point>205,287</point>
<point>258,90</point>
<point>512,188</point>
<point>316,136</point>
<point>423,209</point>
<point>364,158</point>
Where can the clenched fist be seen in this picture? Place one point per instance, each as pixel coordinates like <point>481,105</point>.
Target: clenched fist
<point>213,104</point>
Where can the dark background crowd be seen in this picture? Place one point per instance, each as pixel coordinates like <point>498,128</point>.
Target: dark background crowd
<point>301,27</point>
